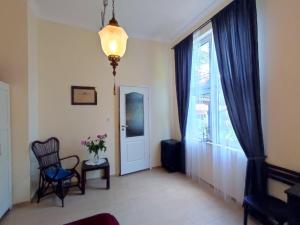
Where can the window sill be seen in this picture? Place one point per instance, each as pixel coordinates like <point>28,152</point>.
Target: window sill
<point>224,146</point>
<point>209,142</point>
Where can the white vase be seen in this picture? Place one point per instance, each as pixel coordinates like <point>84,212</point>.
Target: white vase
<point>95,159</point>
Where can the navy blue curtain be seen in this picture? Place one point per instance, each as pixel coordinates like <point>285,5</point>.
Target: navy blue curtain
<point>183,68</point>
<point>235,36</point>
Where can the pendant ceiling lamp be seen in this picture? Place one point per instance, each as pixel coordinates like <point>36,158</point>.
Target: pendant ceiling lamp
<point>113,39</point>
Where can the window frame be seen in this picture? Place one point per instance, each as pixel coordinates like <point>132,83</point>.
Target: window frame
<point>204,39</point>
<point>213,136</point>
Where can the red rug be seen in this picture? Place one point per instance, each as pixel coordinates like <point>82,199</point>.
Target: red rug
<point>100,219</point>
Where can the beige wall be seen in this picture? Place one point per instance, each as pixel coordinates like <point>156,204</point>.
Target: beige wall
<point>72,56</point>
<point>279,49</point>
<point>33,131</point>
<point>13,70</point>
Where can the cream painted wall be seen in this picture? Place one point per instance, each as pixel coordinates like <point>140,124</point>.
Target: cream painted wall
<point>72,56</point>
<point>13,70</point>
<point>279,49</point>
<point>33,131</point>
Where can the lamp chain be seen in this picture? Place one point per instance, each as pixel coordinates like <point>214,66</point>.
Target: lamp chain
<point>113,8</point>
<point>105,3</point>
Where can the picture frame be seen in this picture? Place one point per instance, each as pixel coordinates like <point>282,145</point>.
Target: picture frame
<point>83,95</point>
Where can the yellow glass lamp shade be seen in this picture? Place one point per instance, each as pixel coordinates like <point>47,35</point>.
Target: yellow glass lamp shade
<point>113,40</point>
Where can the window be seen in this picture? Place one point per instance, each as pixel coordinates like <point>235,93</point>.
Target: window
<point>213,153</point>
<point>208,118</point>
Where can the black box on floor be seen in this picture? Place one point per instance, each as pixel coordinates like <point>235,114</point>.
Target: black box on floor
<point>170,155</point>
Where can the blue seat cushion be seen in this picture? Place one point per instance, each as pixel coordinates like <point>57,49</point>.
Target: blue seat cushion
<point>269,206</point>
<point>58,173</point>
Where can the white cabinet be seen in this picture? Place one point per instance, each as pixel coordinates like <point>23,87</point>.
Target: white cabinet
<point>5,153</point>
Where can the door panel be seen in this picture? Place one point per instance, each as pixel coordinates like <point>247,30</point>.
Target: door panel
<point>4,110</point>
<point>5,164</point>
<point>134,129</point>
<point>134,151</point>
<point>4,173</point>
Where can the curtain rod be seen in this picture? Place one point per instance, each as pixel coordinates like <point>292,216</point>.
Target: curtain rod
<point>198,28</point>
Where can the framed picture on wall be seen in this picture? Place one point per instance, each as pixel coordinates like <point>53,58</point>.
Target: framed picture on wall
<point>82,95</point>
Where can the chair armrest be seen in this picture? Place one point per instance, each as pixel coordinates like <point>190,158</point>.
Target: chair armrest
<point>72,156</point>
<point>47,167</point>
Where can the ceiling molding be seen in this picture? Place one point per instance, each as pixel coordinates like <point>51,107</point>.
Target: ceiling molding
<point>193,22</point>
<point>196,22</point>
<point>156,23</point>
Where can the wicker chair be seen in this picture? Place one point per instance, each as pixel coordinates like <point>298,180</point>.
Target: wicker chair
<point>53,177</point>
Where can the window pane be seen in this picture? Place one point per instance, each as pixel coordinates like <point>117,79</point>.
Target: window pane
<point>208,118</point>
<point>134,114</point>
<point>226,133</point>
<point>200,89</point>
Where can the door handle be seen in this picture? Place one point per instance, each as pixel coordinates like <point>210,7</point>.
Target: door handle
<point>123,127</point>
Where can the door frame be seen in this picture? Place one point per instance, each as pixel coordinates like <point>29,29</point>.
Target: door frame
<point>6,88</point>
<point>149,122</point>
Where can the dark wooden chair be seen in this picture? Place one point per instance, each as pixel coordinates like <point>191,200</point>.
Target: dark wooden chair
<point>271,208</point>
<point>53,177</point>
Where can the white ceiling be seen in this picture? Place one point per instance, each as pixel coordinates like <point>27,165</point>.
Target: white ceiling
<point>160,20</point>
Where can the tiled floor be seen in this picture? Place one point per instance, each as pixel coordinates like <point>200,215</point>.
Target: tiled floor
<point>145,198</point>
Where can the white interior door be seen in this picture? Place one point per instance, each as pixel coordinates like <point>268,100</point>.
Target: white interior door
<point>5,163</point>
<point>134,129</point>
